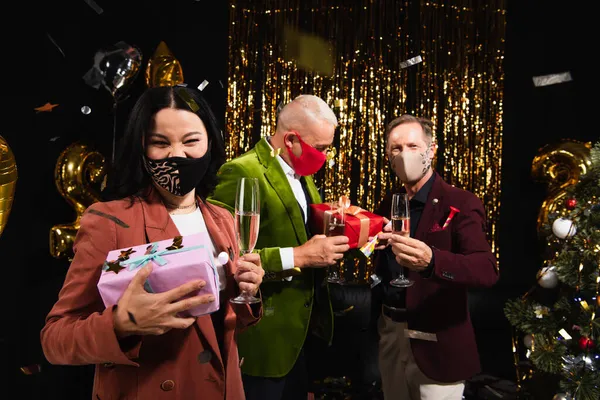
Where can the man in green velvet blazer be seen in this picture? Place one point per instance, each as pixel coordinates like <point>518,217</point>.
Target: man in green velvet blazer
<point>296,305</point>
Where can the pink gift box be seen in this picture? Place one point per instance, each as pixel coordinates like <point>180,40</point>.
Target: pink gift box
<point>175,262</point>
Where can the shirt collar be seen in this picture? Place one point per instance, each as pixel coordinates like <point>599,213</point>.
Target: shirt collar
<point>289,171</point>
<point>423,193</point>
<point>286,168</point>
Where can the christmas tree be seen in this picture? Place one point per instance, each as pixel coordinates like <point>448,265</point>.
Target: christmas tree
<point>559,317</point>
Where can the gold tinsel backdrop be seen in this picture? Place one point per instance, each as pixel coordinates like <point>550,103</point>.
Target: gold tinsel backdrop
<point>372,61</point>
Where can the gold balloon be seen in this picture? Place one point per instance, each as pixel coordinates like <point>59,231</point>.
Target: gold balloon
<point>78,175</point>
<point>8,180</point>
<point>163,68</point>
<point>560,165</point>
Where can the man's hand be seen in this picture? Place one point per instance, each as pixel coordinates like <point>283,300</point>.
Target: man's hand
<point>382,238</point>
<point>320,251</point>
<point>410,253</point>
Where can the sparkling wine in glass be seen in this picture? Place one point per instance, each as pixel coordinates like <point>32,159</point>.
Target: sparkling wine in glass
<point>401,226</point>
<point>247,223</point>
<point>246,226</point>
<point>334,226</point>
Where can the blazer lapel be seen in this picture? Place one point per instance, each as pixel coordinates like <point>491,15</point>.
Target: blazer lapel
<point>433,210</point>
<point>220,240</point>
<point>281,186</point>
<point>313,192</point>
<point>160,226</point>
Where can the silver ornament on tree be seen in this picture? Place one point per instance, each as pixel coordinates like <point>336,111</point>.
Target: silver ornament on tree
<point>561,396</point>
<point>547,277</point>
<point>528,341</point>
<point>563,228</point>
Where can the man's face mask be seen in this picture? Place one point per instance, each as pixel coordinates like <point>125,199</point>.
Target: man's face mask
<point>310,161</point>
<point>410,166</point>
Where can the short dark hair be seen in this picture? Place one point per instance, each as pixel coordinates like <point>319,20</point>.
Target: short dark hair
<point>426,125</point>
<point>127,176</point>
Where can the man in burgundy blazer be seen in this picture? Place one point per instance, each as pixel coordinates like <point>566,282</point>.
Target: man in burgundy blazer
<point>427,344</point>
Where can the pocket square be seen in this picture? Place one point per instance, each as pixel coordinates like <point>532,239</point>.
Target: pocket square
<point>436,228</point>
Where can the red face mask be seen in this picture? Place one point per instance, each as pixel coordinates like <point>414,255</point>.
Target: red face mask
<point>310,161</point>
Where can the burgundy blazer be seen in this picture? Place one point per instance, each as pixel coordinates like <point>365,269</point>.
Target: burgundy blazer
<point>438,304</point>
<point>182,363</point>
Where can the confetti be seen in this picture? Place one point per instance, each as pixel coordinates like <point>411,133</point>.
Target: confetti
<point>46,107</point>
<point>309,51</point>
<point>185,96</point>
<point>275,153</point>
<point>410,61</point>
<point>55,44</point>
<point>113,266</point>
<point>31,369</point>
<point>564,334</point>
<point>552,79</point>
<point>203,85</point>
<point>375,280</point>
<point>108,216</point>
<point>86,110</point>
<point>94,6</point>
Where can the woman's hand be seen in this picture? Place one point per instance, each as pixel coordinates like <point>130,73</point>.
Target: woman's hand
<point>141,313</point>
<point>249,273</point>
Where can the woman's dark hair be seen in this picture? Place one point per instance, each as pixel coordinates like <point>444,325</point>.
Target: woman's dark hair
<point>127,176</point>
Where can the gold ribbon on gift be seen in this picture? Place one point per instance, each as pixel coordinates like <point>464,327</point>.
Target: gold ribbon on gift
<point>345,208</point>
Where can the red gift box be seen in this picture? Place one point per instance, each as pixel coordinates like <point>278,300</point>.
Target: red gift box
<point>359,224</point>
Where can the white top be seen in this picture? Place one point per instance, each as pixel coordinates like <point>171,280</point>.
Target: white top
<point>295,183</point>
<point>287,253</point>
<point>189,224</point>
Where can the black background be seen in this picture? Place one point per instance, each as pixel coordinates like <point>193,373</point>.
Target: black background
<point>540,39</point>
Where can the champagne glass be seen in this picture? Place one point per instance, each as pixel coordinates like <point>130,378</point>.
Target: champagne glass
<point>247,223</point>
<point>334,226</point>
<point>401,226</point>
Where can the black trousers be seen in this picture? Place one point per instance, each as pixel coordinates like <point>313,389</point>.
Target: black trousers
<point>293,386</point>
<point>297,383</point>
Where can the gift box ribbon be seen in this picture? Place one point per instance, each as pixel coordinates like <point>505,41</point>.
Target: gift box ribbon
<point>155,256</point>
<point>344,207</point>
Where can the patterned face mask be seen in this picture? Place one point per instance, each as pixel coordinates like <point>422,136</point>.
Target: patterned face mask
<point>411,166</point>
<point>178,175</point>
